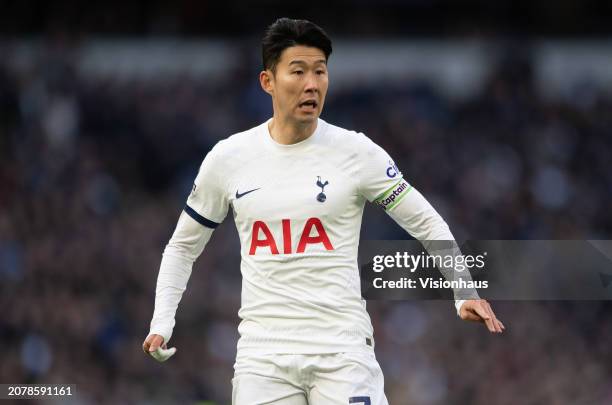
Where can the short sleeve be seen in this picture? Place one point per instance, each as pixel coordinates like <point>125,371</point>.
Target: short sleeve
<point>208,203</point>
<point>381,181</point>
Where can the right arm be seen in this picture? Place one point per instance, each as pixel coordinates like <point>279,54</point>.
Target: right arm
<point>206,207</point>
<point>186,244</point>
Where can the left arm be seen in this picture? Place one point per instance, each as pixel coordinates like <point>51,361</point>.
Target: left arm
<point>415,215</point>
<point>381,182</point>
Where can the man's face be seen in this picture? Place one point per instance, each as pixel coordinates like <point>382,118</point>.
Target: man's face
<point>299,84</point>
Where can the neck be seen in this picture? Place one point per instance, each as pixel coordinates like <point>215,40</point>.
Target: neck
<point>288,133</point>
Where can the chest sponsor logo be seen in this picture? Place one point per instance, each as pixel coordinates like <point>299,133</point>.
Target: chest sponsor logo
<point>314,233</point>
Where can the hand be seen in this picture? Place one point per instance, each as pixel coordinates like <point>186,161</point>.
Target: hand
<point>155,346</point>
<point>480,311</point>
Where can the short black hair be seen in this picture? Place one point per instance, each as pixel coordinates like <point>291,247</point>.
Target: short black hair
<point>285,33</point>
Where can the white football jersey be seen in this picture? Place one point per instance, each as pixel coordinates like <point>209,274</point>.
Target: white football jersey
<point>298,211</point>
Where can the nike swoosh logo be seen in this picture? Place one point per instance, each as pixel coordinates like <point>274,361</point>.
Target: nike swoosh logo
<point>239,195</point>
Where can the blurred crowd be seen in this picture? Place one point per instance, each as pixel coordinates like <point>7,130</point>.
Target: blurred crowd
<point>94,173</point>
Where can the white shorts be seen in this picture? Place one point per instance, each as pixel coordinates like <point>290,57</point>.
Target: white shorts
<point>308,379</point>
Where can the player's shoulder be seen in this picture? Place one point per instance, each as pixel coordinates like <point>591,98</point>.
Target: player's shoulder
<point>349,139</point>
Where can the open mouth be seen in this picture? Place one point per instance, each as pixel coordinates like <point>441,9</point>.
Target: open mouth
<point>308,105</point>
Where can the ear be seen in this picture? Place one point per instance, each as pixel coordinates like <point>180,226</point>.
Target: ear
<point>266,79</point>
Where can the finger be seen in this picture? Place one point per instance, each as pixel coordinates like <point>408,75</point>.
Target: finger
<point>481,311</point>
<point>162,355</point>
<point>496,327</point>
<point>500,325</point>
<point>490,325</point>
<point>486,316</point>
<point>496,322</point>
<point>145,346</point>
<point>487,308</point>
<point>156,342</point>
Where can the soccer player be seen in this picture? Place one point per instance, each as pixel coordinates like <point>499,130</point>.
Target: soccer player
<point>297,186</point>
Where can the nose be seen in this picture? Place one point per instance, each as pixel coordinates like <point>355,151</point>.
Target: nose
<point>312,86</point>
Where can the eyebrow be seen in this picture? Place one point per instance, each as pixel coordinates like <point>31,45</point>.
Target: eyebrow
<point>301,62</point>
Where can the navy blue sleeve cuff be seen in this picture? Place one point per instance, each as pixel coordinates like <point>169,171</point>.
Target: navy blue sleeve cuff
<point>199,218</point>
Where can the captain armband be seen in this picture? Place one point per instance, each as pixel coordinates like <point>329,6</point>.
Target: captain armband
<point>393,195</point>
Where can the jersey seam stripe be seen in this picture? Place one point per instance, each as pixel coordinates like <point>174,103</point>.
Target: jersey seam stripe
<point>199,218</point>
<point>384,193</point>
<point>400,199</point>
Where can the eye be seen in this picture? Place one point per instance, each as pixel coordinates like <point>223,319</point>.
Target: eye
<point>320,72</point>
<point>298,72</point>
